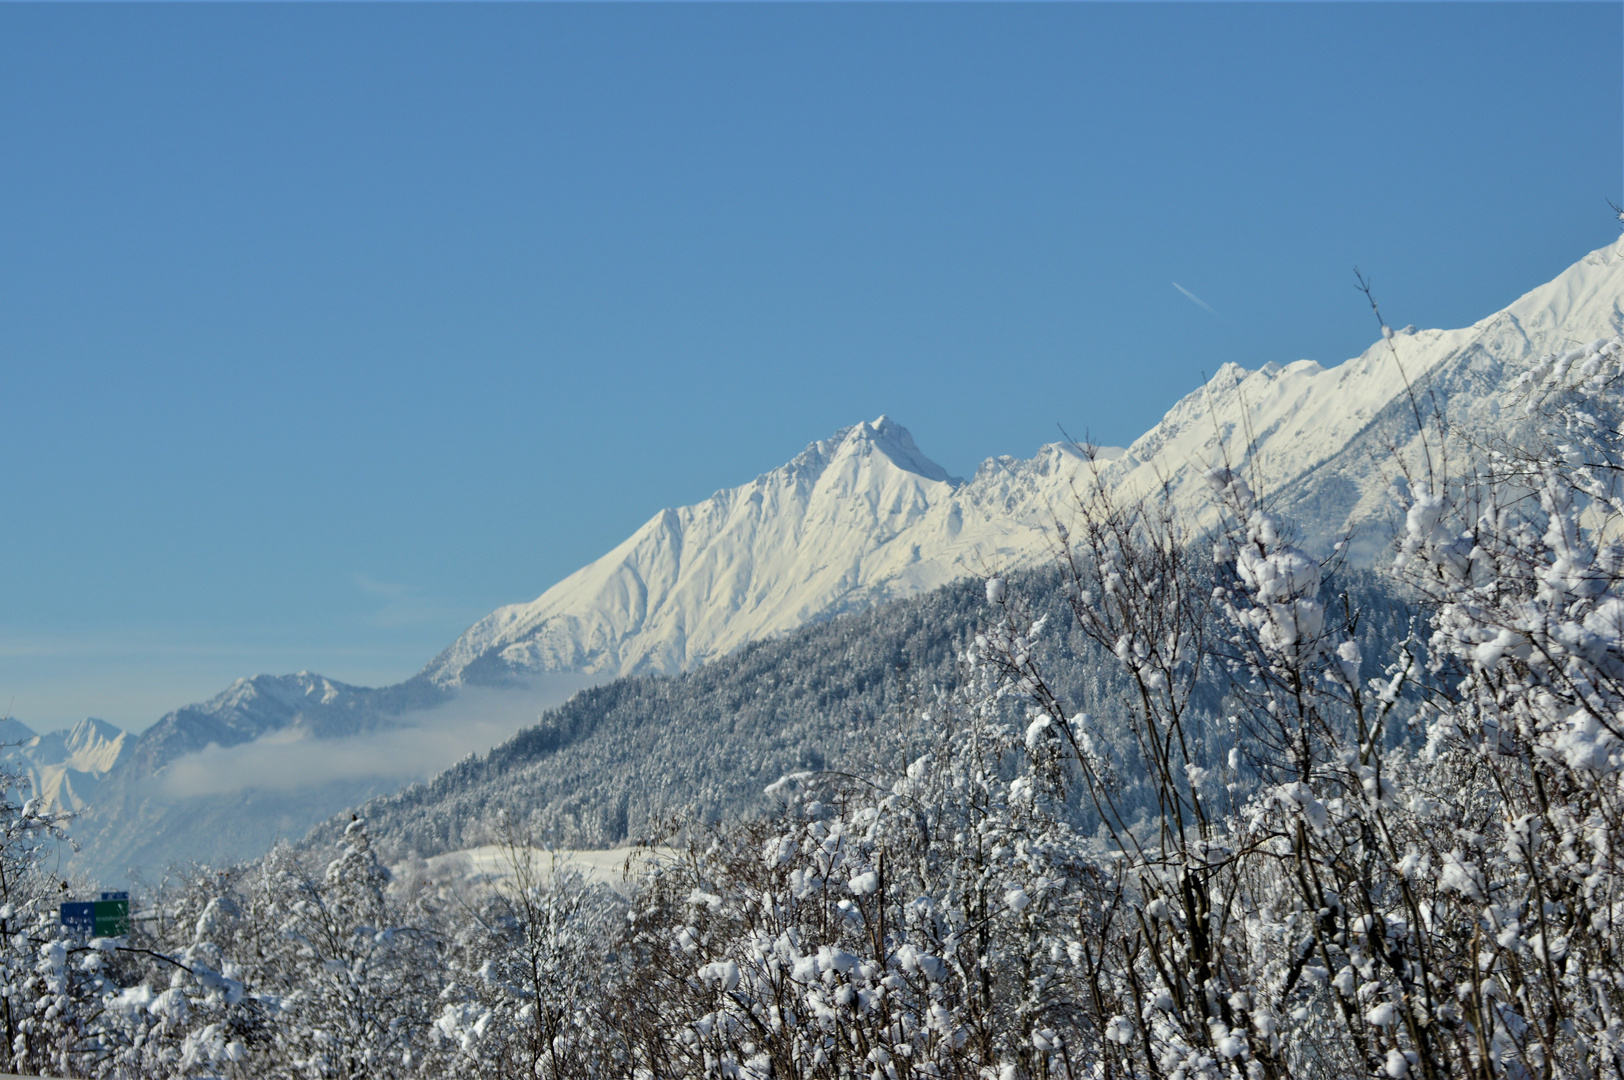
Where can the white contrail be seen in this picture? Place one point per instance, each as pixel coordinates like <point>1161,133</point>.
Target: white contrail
<point>1193,296</point>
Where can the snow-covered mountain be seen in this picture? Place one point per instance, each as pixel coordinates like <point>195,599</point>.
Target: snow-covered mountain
<point>131,815</point>
<point>301,704</point>
<point>91,765</point>
<point>66,767</point>
<point>266,759</point>
<point>1324,436</point>
<point>856,519</point>
<point>864,516</point>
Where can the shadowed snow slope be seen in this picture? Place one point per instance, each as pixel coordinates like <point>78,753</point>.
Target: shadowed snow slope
<point>253,708</point>
<point>864,517</point>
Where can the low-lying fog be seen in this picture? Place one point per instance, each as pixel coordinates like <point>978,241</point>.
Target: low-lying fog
<point>419,746</point>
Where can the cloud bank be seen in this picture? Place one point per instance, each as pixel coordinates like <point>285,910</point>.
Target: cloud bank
<point>425,743</point>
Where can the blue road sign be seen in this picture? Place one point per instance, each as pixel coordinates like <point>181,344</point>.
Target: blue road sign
<point>107,917</point>
<point>79,918</point>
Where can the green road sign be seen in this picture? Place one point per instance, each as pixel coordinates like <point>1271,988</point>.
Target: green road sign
<point>112,918</point>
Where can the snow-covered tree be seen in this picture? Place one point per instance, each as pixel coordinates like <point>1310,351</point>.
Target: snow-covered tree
<point>530,965</point>
<point>353,983</point>
<point>928,927</point>
<point>41,1028</point>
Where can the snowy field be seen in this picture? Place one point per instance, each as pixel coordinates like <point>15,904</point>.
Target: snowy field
<point>496,864</point>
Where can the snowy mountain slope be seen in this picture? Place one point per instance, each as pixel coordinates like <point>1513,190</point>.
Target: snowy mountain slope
<point>616,761</point>
<point>1323,435</point>
<point>805,541</point>
<point>854,520</point>
<point>864,517</point>
<point>66,768</point>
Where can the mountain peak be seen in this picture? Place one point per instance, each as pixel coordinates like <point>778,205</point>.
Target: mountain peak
<point>90,731</point>
<point>92,745</point>
<point>14,732</point>
<point>896,443</point>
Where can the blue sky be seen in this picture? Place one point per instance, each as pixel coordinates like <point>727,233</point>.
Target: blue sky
<point>326,329</point>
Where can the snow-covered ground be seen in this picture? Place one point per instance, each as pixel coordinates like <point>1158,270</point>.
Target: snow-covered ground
<point>495,865</point>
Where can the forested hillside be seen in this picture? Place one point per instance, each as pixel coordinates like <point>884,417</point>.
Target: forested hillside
<point>620,762</point>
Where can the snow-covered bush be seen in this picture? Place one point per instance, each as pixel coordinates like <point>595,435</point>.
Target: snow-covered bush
<point>102,1006</point>
<point>927,927</point>
<point>1333,893</point>
<point>352,977</point>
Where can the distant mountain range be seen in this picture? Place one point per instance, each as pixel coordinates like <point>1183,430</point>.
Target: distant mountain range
<point>855,520</point>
